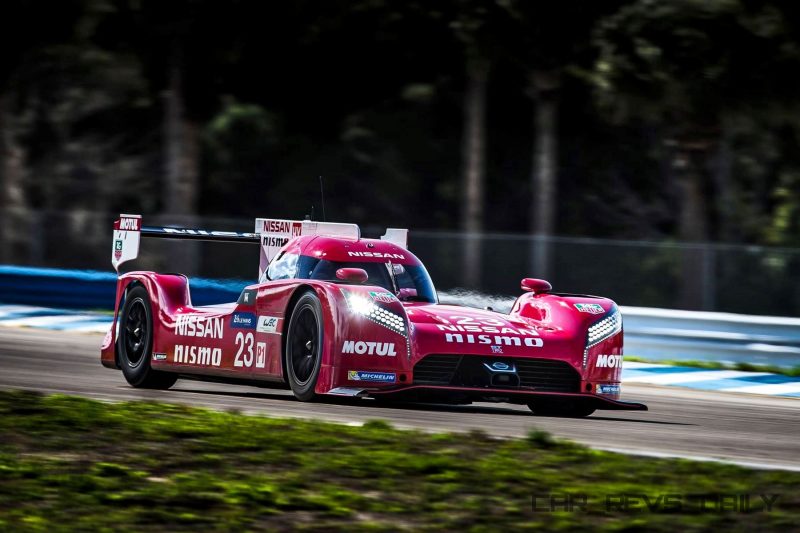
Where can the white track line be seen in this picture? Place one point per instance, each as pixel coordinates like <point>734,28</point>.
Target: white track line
<point>679,378</point>
<point>771,388</point>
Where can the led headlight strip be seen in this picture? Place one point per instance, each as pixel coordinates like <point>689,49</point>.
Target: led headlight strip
<point>603,329</point>
<point>369,310</point>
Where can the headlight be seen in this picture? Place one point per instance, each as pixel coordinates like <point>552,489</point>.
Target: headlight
<point>603,329</point>
<point>383,317</point>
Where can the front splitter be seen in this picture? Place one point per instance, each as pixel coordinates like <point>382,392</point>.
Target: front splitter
<point>412,392</point>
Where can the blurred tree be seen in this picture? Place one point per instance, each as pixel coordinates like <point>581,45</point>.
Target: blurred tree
<point>692,65</point>
<point>549,41</point>
<point>43,50</point>
<point>187,48</point>
<point>237,142</point>
<point>356,90</point>
<point>479,26</point>
<point>184,106</point>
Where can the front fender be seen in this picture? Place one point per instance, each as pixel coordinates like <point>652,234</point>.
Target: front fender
<point>600,363</point>
<point>367,330</point>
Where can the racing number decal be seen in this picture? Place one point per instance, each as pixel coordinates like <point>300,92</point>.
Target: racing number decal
<point>469,321</point>
<point>244,358</point>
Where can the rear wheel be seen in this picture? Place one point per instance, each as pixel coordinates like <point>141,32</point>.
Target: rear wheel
<point>304,342</point>
<point>135,343</point>
<point>563,408</point>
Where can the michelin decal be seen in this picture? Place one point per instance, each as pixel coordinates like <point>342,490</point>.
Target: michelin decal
<point>381,377</point>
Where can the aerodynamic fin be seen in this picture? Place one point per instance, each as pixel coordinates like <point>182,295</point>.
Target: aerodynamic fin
<point>397,237</point>
<point>275,233</point>
<point>125,245</point>
<point>129,229</point>
<point>272,234</point>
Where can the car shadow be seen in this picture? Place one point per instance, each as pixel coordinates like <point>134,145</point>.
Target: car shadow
<point>409,406</point>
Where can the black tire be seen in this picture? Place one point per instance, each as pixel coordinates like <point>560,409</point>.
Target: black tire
<point>564,409</point>
<point>135,343</point>
<point>304,343</point>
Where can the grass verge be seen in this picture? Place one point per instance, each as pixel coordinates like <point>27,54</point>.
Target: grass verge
<point>721,365</point>
<point>69,463</point>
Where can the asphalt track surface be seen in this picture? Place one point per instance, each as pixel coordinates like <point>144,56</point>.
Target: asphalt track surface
<point>757,431</point>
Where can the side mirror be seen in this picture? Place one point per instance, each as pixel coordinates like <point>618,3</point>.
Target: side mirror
<point>352,275</point>
<point>535,286</point>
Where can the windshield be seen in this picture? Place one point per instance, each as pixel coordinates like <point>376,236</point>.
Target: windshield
<point>409,283</point>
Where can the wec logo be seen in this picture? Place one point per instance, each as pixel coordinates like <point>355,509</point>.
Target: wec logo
<point>267,324</point>
<point>609,361</point>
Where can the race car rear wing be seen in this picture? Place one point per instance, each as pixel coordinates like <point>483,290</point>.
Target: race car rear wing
<point>272,234</point>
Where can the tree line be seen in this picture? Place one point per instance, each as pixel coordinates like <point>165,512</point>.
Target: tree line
<point>636,119</point>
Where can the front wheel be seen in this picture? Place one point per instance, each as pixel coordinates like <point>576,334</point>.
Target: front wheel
<point>135,343</point>
<point>304,343</point>
<point>566,409</point>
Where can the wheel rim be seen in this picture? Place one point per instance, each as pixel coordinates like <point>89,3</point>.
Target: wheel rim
<point>304,345</point>
<point>136,332</point>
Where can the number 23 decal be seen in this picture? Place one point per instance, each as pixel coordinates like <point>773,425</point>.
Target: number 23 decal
<point>469,321</point>
<point>244,352</point>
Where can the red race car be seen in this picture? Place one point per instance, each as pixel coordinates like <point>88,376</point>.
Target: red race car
<point>336,314</point>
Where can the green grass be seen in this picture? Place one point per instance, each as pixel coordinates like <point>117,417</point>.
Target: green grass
<point>69,463</point>
<point>720,365</point>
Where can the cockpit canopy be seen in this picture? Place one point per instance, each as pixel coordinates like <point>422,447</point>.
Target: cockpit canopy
<point>397,271</point>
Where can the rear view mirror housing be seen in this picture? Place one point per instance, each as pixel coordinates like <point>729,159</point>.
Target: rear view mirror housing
<point>352,275</point>
<point>536,286</point>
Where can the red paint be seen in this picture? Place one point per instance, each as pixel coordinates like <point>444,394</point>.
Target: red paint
<point>535,285</point>
<point>541,325</point>
<point>352,275</point>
